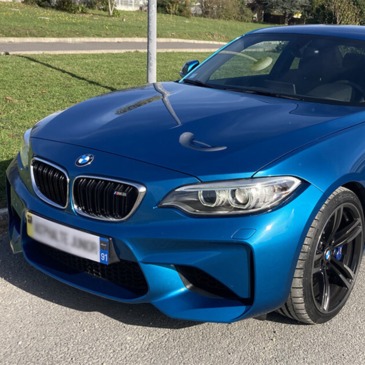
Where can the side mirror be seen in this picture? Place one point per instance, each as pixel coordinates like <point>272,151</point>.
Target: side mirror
<point>189,66</point>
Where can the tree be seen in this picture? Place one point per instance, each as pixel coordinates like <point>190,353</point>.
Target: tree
<point>287,7</point>
<point>344,11</point>
<point>258,8</point>
<point>338,11</point>
<point>361,6</point>
<point>111,7</point>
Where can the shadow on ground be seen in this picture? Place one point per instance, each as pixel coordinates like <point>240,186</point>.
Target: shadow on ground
<point>15,270</point>
<point>3,166</point>
<point>91,82</point>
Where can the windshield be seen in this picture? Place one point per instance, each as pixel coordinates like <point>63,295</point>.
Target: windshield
<point>294,66</point>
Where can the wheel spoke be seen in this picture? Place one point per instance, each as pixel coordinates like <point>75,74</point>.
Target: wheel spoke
<point>317,257</point>
<point>336,223</point>
<point>317,262</point>
<point>348,234</point>
<point>344,273</point>
<point>326,291</point>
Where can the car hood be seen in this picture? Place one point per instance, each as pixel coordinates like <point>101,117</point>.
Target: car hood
<point>194,130</point>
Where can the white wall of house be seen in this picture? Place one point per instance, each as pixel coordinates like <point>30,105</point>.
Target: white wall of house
<point>129,4</point>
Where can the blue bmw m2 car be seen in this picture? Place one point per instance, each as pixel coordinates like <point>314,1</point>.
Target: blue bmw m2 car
<point>236,191</point>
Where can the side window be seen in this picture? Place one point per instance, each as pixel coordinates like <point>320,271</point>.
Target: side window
<point>353,63</point>
<point>295,64</point>
<point>344,49</point>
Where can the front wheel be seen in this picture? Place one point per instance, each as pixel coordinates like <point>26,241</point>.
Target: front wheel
<point>329,260</point>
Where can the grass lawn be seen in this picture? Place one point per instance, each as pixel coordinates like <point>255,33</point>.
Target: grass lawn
<point>19,20</point>
<point>35,86</point>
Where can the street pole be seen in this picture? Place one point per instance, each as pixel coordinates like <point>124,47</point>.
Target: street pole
<point>152,41</point>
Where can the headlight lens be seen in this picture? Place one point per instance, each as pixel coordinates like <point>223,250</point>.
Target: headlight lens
<point>232,197</point>
<point>24,149</point>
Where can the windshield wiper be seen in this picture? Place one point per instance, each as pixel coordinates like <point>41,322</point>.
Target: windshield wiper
<point>271,93</point>
<point>242,90</point>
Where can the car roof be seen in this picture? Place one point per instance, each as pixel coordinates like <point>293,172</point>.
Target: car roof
<point>341,31</point>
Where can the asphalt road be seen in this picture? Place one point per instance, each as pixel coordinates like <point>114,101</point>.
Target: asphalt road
<point>87,45</point>
<point>45,322</point>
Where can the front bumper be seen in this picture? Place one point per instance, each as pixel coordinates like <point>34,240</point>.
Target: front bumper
<point>205,269</point>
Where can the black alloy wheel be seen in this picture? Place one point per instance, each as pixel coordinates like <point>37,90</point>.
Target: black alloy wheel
<point>329,260</point>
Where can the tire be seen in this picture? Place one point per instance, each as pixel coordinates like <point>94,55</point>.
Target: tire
<point>329,260</point>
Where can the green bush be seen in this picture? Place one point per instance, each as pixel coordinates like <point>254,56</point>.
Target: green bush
<point>30,2</point>
<point>174,7</point>
<point>41,3</point>
<point>70,6</point>
<point>226,9</point>
<point>67,5</point>
<point>97,4</point>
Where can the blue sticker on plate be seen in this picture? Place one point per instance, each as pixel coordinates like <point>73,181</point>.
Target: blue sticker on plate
<point>104,251</point>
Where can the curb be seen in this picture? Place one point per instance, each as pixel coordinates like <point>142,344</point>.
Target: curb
<point>3,214</point>
<point>16,45</point>
<point>200,50</point>
<point>100,40</point>
<point>3,220</point>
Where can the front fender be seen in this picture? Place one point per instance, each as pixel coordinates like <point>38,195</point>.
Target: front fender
<point>328,163</point>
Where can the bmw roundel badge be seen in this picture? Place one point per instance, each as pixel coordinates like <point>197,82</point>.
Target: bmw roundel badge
<point>84,160</point>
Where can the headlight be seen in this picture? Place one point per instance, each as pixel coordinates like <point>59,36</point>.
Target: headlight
<point>24,149</point>
<point>232,197</point>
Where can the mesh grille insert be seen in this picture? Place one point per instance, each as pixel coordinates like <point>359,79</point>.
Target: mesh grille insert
<point>126,274</point>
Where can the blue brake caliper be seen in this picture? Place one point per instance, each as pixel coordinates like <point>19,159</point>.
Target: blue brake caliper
<point>338,253</point>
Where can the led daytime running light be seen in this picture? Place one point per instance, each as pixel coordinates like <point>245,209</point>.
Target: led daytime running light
<point>232,197</point>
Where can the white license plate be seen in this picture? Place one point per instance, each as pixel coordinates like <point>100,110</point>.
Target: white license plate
<point>68,239</point>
